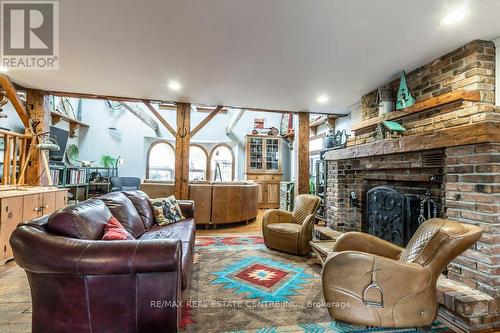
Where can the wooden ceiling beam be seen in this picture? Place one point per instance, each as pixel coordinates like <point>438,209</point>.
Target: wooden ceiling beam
<point>139,113</point>
<point>206,120</point>
<point>234,120</point>
<point>18,104</point>
<point>160,118</point>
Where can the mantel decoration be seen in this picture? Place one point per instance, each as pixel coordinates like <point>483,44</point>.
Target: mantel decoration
<point>404,98</point>
<point>389,129</point>
<point>335,140</point>
<point>385,100</point>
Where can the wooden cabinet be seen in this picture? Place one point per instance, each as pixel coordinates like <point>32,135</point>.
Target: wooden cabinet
<point>263,154</point>
<point>11,216</point>
<point>263,165</point>
<point>22,205</point>
<point>61,199</point>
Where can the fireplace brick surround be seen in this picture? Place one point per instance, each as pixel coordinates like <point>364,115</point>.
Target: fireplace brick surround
<point>453,150</point>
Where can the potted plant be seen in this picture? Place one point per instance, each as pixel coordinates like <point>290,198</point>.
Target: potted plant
<point>108,161</point>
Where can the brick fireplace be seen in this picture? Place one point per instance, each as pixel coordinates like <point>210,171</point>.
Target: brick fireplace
<point>451,149</point>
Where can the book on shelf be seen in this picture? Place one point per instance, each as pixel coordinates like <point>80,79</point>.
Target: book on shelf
<point>78,176</point>
<point>55,175</point>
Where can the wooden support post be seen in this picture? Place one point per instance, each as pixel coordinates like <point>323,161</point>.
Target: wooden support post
<point>37,171</point>
<point>302,178</point>
<point>182,140</point>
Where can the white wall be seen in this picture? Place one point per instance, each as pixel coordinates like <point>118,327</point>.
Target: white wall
<point>12,122</point>
<point>134,137</point>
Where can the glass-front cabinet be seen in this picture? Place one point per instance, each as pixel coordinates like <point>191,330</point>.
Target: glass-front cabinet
<point>263,154</point>
<point>263,165</point>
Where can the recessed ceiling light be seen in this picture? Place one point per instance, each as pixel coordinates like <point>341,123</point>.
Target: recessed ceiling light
<point>455,15</point>
<point>322,99</point>
<point>174,85</point>
<point>3,69</point>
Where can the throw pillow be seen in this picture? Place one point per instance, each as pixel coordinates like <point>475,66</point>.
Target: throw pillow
<point>166,210</point>
<point>114,230</point>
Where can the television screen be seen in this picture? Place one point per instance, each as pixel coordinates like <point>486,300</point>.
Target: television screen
<point>61,137</point>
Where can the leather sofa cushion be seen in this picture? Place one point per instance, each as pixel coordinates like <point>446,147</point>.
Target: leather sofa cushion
<point>124,211</point>
<point>183,230</point>
<point>141,203</point>
<point>85,220</point>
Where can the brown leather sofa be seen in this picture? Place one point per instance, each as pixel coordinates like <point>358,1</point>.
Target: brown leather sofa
<point>80,283</point>
<point>388,286</point>
<point>216,203</point>
<point>291,232</point>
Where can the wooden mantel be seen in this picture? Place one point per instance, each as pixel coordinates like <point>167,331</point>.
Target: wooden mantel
<point>485,132</point>
<point>427,104</point>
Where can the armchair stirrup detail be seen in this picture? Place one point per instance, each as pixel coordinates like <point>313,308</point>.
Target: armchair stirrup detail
<point>373,285</point>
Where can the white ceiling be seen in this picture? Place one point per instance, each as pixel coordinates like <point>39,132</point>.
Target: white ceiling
<point>275,54</point>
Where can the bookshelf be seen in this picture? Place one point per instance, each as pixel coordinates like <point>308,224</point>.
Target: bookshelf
<point>80,180</point>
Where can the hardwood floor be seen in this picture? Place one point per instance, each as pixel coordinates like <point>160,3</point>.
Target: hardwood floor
<point>252,228</point>
<point>15,301</point>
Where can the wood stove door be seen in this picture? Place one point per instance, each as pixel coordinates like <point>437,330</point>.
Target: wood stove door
<point>385,214</point>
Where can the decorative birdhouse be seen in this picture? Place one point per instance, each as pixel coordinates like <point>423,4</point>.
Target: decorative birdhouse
<point>404,98</point>
<point>385,100</point>
<point>389,129</point>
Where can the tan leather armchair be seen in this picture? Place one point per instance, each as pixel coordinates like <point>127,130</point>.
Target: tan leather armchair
<point>369,281</point>
<point>291,231</point>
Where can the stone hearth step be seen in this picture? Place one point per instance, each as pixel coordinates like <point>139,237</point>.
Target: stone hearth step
<point>325,233</point>
<point>466,307</point>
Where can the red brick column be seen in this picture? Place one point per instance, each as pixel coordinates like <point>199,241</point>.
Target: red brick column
<point>473,196</point>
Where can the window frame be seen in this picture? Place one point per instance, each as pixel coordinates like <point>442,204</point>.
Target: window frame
<point>232,156</point>
<point>207,160</point>
<point>149,155</point>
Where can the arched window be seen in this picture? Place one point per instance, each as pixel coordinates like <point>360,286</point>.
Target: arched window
<point>222,163</point>
<point>161,161</point>
<point>197,163</point>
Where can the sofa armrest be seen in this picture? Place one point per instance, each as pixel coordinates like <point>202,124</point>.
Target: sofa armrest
<point>362,242</point>
<point>187,208</point>
<point>39,252</point>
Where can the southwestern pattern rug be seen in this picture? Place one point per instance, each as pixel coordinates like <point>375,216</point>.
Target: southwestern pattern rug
<point>238,285</point>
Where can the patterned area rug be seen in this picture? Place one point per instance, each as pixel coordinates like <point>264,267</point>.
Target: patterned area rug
<point>238,285</point>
